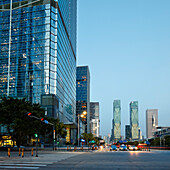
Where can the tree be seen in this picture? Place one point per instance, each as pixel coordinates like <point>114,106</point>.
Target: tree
<point>88,137</point>
<point>13,116</point>
<point>20,126</point>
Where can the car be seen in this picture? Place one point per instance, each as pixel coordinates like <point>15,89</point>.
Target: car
<point>133,148</point>
<point>101,147</point>
<point>113,148</point>
<point>123,148</point>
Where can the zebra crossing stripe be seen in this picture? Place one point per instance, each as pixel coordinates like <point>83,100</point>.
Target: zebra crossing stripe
<point>23,164</point>
<point>18,167</point>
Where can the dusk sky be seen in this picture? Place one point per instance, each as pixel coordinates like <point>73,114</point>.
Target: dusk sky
<point>126,44</point>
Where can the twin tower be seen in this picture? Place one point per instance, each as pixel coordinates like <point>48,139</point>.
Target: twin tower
<point>134,123</point>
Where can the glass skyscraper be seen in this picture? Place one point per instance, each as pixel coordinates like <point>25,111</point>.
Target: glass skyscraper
<point>134,123</point>
<point>83,96</point>
<point>94,119</point>
<point>116,131</point>
<point>127,132</point>
<point>38,55</point>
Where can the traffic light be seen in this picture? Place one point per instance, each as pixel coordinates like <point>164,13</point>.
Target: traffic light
<point>29,114</point>
<point>42,119</point>
<point>36,135</point>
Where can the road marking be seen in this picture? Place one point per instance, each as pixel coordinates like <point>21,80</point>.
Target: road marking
<point>19,167</point>
<point>38,162</point>
<point>24,164</point>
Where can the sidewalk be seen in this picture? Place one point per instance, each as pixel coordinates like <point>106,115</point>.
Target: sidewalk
<point>43,157</point>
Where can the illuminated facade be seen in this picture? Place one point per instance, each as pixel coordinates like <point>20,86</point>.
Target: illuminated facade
<point>151,122</point>
<point>94,119</point>
<point>83,96</point>
<point>42,53</point>
<point>116,131</point>
<point>134,124</point>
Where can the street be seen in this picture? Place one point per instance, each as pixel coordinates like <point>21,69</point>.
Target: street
<point>101,159</point>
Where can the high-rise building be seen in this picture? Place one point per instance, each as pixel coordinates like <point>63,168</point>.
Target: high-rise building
<point>38,54</point>
<point>151,122</point>
<point>134,124</point>
<point>116,131</point>
<point>107,139</point>
<point>94,119</point>
<point>83,97</point>
<point>127,132</point>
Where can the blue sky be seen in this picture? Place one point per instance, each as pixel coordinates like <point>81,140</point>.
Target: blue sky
<point>126,44</point>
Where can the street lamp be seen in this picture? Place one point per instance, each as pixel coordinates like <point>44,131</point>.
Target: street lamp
<point>10,26</point>
<point>82,116</point>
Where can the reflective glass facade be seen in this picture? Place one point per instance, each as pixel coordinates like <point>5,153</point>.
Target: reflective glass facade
<point>116,120</point>
<point>94,119</point>
<point>134,123</point>
<point>127,132</point>
<point>43,52</point>
<point>83,96</point>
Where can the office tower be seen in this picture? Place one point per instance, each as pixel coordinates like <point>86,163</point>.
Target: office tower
<point>151,122</point>
<point>38,54</point>
<point>94,119</point>
<point>107,139</point>
<point>127,132</point>
<point>83,96</point>
<point>116,131</point>
<point>140,134</point>
<point>134,124</point>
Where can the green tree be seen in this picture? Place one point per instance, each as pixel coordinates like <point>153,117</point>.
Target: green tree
<point>13,116</point>
<point>87,137</point>
<point>20,126</point>
<point>167,140</point>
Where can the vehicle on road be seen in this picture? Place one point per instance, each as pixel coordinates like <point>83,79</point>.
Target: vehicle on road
<point>133,148</point>
<point>141,146</point>
<point>113,148</point>
<point>123,148</point>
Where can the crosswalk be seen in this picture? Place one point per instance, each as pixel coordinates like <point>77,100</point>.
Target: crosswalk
<point>23,165</point>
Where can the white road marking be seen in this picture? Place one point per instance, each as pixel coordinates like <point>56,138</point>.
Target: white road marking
<point>23,164</point>
<point>19,167</point>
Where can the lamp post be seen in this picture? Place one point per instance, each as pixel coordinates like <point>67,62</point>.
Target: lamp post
<point>78,129</point>
<point>82,116</point>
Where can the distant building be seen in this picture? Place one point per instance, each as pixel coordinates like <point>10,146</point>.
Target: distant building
<point>140,134</point>
<point>151,122</point>
<point>107,139</point>
<point>94,119</point>
<point>162,132</point>
<point>134,123</point>
<point>116,131</point>
<point>127,132</point>
<point>83,96</point>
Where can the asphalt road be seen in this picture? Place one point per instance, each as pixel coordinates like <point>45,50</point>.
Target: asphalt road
<point>117,160</point>
<point>102,159</point>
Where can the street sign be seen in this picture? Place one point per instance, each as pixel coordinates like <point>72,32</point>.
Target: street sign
<point>46,121</point>
<point>147,142</point>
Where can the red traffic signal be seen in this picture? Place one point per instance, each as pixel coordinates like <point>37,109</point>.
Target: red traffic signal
<point>42,119</point>
<point>29,114</point>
